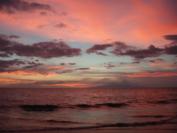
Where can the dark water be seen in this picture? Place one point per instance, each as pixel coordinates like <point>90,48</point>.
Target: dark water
<point>90,109</point>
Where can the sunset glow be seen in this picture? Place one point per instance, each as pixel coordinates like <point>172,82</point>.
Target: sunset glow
<point>88,43</point>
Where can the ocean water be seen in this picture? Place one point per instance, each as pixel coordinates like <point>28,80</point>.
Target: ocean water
<point>89,110</point>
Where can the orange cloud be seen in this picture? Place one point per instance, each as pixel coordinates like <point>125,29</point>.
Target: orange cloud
<point>30,75</point>
<point>71,85</point>
<point>9,81</point>
<point>55,67</point>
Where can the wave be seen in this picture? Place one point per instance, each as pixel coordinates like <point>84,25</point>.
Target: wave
<point>97,126</point>
<point>150,116</point>
<point>53,107</point>
<point>51,121</point>
<point>112,105</point>
<point>37,108</point>
<point>168,101</point>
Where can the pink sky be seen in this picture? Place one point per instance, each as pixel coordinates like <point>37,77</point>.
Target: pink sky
<point>125,27</point>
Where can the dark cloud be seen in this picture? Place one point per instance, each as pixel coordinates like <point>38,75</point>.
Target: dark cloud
<point>41,49</point>
<point>84,68</point>
<point>9,36</point>
<point>101,53</point>
<point>62,64</point>
<point>10,65</point>
<point>171,37</point>
<point>120,48</point>
<point>52,49</point>
<point>21,65</point>
<point>12,6</point>
<point>171,48</point>
<point>70,63</point>
<point>124,49</point>
<point>32,65</point>
<point>98,47</point>
<point>46,69</point>
<point>151,51</point>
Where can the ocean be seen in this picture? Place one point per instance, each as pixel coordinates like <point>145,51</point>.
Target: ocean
<point>88,110</point>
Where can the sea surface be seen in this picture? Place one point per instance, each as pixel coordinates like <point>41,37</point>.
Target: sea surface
<point>89,110</point>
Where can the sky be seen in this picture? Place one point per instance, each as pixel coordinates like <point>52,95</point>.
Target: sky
<point>88,43</point>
